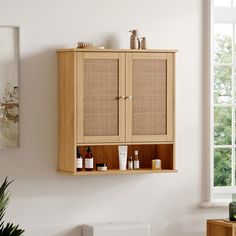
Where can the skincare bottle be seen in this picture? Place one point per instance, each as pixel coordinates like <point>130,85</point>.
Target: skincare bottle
<point>89,160</point>
<point>122,157</point>
<point>130,163</point>
<point>79,160</point>
<point>136,160</point>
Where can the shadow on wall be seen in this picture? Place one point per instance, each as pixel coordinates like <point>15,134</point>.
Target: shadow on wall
<point>205,161</point>
<point>111,41</point>
<point>38,118</point>
<point>38,88</point>
<point>36,158</point>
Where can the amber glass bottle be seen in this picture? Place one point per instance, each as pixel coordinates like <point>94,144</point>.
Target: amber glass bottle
<point>79,160</point>
<point>89,160</point>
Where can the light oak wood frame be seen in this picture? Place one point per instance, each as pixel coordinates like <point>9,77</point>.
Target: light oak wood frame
<point>80,137</point>
<point>169,136</point>
<point>67,111</point>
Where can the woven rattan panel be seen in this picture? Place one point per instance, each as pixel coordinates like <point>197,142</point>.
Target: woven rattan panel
<point>101,90</point>
<point>149,97</point>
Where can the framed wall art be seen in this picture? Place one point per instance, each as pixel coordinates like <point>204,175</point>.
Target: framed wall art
<point>9,86</point>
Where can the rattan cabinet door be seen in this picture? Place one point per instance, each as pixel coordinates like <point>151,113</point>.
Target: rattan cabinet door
<point>100,102</point>
<point>149,97</point>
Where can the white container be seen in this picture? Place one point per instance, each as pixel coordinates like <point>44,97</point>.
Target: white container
<point>117,229</point>
<point>122,157</point>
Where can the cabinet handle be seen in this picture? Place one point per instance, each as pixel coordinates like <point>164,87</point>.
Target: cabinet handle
<point>122,97</point>
<point>129,97</point>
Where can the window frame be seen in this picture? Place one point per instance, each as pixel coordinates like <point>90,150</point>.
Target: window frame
<point>232,2</point>
<point>222,15</point>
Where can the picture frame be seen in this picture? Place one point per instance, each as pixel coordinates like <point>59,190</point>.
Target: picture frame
<point>9,86</point>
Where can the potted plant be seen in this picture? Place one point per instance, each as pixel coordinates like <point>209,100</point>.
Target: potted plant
<point>7,229</point>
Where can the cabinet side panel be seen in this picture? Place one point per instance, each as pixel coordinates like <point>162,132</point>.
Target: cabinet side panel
<point>174,111</point>
<point>66,120</point>
<point>218,230</point>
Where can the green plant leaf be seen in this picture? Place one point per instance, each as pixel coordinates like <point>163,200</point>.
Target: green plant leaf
<point>9,229</point>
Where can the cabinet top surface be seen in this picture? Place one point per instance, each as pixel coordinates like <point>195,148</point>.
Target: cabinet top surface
<point>116,50</point>
<point>223,222</point>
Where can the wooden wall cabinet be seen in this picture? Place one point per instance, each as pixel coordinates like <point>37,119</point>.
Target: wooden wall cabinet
<point>113,97</point>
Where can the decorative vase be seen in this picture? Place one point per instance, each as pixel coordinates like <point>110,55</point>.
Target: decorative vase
<point>232,208</point>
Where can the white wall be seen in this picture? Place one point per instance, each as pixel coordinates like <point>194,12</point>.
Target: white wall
<point>49,204</point>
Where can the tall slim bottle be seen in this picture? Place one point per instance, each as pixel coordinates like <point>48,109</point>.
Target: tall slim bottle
<point>79,160</point>
<point>89,160</point>
<point>136,160</point>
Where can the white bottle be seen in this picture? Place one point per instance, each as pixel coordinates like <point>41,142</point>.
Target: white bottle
<point>136,160</point>
<point>122,157</point>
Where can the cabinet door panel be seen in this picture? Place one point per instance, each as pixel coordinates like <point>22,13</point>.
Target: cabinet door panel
<point>149,97</point>
<point>102,77</point>
<point>100,98</point>
<point>149,112</point>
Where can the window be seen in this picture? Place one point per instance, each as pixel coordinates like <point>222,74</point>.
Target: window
<point>224,3</point>
<point>223,99</point>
